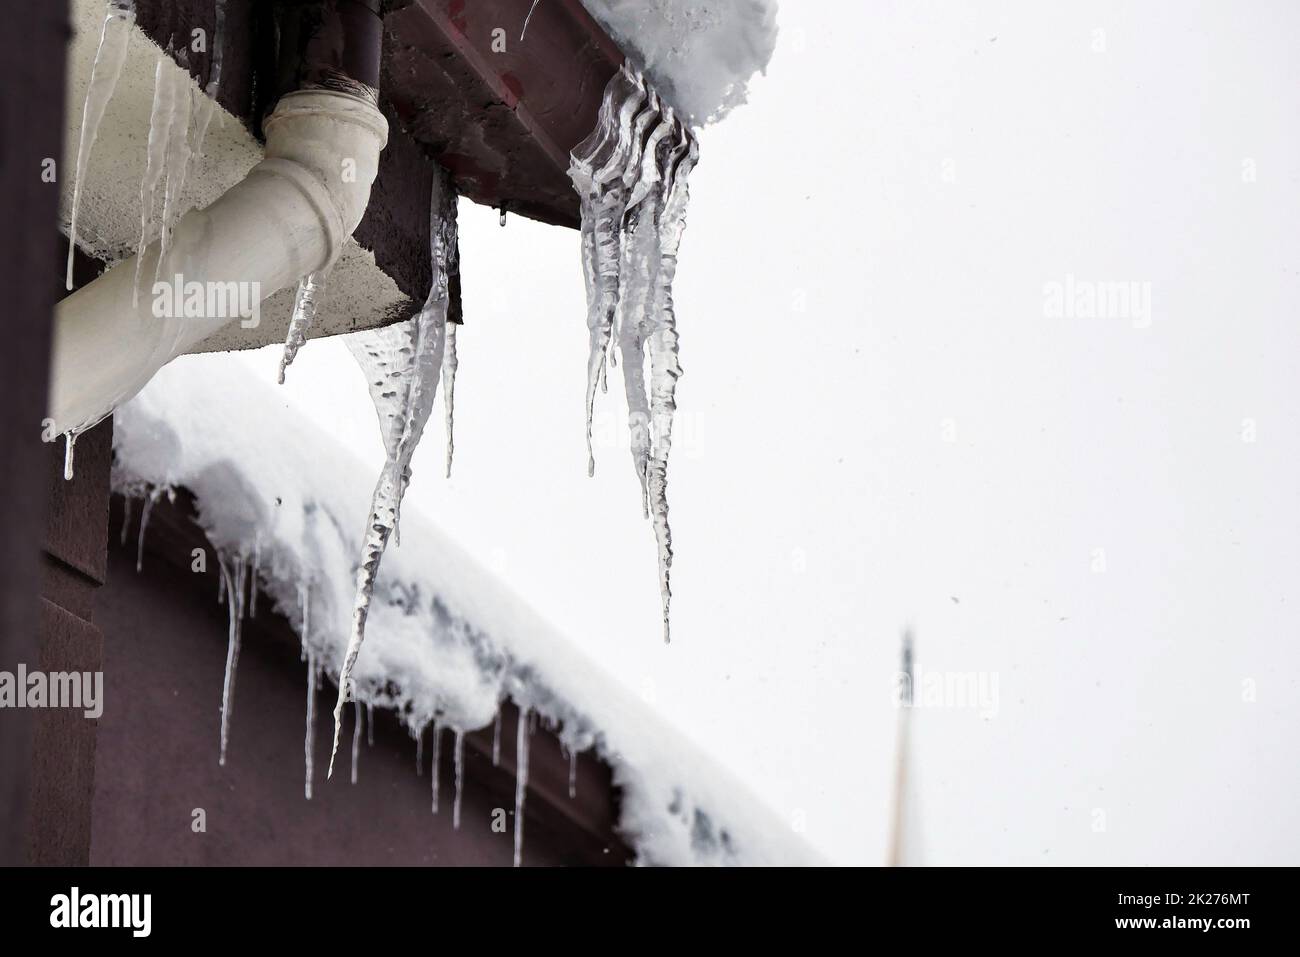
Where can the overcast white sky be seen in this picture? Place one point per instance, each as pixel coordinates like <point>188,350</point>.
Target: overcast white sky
<point>879,425</point>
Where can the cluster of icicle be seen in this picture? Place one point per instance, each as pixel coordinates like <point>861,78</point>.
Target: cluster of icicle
<point>239,575</point>
<point>178,124</point>
<point>402,364</point>
<point>631,177</point>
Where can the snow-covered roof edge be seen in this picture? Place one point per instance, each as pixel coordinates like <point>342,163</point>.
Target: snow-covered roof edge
<point>700,54</point>
<point>446,638</point>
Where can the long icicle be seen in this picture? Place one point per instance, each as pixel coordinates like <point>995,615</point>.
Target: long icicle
<point>126,516</point>
<point>234,576</point>
<point>177,163</point>
<point>630,175</point>
<point>434,774</point>
<point>356,737</point>
<point>404,395</point>
<point>309,735</point>
<point>104,74</point>
<point>637,272</point>
<point>665,369</point>
<point>596,171</point>
<point>459,761</point>
<point>521,782</point>
<point>160,117</point>
<point>449,366</point>
<point>145,512</point>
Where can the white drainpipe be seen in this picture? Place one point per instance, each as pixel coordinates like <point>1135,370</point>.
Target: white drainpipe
<point>289,216</point>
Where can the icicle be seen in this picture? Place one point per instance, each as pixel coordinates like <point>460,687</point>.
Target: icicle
<point>69,444</point>
<point>304,314</point>
<point>402,365</point>
<point>521,783</point>
<point>144,523</point>
<point>203,109</point>
<point>665,369</point>
<point>160,117</point>
<point>419,754</point>
<point>218,31</point>
<point>636,273</point>
<point>524,31</point>
<point>235,604</point>
<point>573,775</point>
<point>104,74</point>
<point>597,167</point>
<point>309,736</point>
<point>177,162</point>
<point>126,517</point>
<point>502,220</point>
<point>221,588</point>
<point>630,175</point>
<point>496,739</point>
<point>449,366</point>
<point>252,577</point>
<point>370,726</point>
<point>459,760</point>
<point>356,737</point>
<point>436,766</point>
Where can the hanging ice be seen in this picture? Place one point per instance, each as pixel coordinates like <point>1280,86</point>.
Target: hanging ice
<point>631,178</point>
<point>459,761</point>
<point>104,74</point>
<point>69,447</point>
<point>496,739</point>
<point>524,31</point>
<point>402,364</point>
<point>126,519</point>
<point>437,765</point>
<point>573,775</point>
<point>160,118</point>
<point>218,38</point>
<point>356,737</point>
<point>521,782</point>
<point>177,162</point>
<point>234,574</point>
<point>449,366</point>
<point>309,735</point>
<point>304,314</point>
<point>144,524</point>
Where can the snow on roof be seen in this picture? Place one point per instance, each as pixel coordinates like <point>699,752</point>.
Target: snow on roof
<point>700,54</point>
<point>445,636</point>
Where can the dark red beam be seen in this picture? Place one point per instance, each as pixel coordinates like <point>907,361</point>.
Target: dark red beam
<point>500,108</point>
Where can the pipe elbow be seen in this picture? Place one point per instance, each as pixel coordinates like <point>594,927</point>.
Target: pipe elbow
<point>288,217</point>
<point>328,144</point>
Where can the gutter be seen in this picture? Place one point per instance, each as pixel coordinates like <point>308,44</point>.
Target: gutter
<point>288,217</point>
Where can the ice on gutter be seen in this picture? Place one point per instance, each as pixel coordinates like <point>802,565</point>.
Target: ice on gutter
<point>446,639</point>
